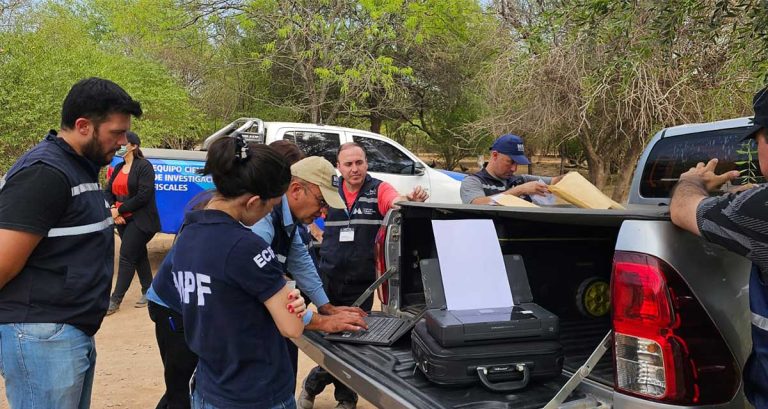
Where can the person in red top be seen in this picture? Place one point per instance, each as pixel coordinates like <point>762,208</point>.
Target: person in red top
<point>347,253</point>
<point>131,194</point>
<point>387,195</point>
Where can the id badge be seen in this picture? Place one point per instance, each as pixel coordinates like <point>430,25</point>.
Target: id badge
<point>347,234</point>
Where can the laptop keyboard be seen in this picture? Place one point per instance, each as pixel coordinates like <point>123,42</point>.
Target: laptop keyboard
<point>380,329</point>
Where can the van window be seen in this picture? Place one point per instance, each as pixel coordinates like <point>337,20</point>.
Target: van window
<point>314,143</point>
<point>674,155</point>
<point>384,157</point>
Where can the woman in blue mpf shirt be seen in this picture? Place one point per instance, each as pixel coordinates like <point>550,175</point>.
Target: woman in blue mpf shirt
<point>231,288</point>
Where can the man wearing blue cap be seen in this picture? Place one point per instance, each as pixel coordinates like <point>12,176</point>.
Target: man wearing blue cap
<point>498,177</point>
<point>738,222</point>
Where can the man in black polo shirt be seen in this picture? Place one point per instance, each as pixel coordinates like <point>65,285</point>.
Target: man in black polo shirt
<point>57,244</point>
<point>738,222</point>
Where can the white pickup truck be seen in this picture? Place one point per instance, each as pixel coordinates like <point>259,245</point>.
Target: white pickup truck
<point>177,181</point>
<point>676,306</point>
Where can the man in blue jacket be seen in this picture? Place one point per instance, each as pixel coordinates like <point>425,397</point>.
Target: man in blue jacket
<point>311,190</point>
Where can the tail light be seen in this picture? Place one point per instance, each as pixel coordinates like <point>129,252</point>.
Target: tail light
<point>667,349</point>
<point>381,264</point>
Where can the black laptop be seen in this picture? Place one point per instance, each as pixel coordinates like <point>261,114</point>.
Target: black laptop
<point>383,329</point>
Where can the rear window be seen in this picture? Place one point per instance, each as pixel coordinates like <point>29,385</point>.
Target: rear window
<point>675,155</point>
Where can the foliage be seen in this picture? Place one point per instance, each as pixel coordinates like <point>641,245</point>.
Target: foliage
<point>402,66</point>
<point>594,77</point>
<point>749,165</point>
<point>48,50</point>
<point>610,73</point>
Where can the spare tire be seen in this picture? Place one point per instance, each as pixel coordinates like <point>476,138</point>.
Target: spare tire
<point>593,297</point>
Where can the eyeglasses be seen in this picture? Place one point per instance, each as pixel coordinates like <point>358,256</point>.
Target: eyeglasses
<point>319,199</point>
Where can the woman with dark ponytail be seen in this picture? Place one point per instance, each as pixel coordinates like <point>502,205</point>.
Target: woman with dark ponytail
<point>230,290</point>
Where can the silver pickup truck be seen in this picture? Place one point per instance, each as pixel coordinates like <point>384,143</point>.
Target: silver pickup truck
<point>676,305</point>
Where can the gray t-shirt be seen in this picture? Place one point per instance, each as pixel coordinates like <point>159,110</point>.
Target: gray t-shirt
<point>472,187</point>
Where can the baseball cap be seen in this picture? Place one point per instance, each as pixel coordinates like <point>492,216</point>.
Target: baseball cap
<point>320,172</point>
<point>760,120</point>
<point>133,138</point>
<point>512,146</point>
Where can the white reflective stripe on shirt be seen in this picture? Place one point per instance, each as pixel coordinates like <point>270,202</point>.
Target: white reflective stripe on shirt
<point>760,321</point>
<point>365,221</point>
<point>368,200</point>
<point>84,229</point>
<point>493,187</point>
<point>85,187</point>
<point>353,221</point>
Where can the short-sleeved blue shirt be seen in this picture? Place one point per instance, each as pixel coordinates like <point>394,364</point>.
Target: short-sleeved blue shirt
<point>224,273</point>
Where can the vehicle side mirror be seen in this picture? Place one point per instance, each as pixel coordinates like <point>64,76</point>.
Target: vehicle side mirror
<point>418,169</point>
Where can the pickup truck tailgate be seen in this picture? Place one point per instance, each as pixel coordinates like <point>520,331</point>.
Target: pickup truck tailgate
<point>387,377</point>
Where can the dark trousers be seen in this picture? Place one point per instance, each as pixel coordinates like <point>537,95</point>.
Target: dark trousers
<point>133,258</point>
<point>293,354</point>
<point>319,378</point>
<point>178,361</point>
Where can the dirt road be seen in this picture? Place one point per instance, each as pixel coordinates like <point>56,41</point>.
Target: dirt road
<point>128,367</point>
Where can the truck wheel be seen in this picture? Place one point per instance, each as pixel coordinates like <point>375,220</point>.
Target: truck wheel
<point>593,297</point>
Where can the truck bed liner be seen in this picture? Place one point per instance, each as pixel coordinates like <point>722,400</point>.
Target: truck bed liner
<point>579,339</point>
<point>379,374</point>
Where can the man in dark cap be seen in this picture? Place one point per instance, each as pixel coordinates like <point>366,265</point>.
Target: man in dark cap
<point>738,222</point>
<point>498,177</point>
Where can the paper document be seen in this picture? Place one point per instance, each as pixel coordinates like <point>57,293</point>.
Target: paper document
<point>576,189</point>
<point>471,264</point>
<point>512,200</point>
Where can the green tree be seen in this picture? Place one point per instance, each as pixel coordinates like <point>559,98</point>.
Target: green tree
<point>52,47</point>
<point>325,58</point>
<point>609,74</point>
<point>456,41</point>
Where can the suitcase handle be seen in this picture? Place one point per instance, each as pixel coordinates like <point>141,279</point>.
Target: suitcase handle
<point>482,373</point>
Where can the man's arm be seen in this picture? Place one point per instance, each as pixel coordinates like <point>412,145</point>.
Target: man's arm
<point>686,198</point>
<point>472,192</point>
<point>300,264</point>
<point>16,247</point>
<point>534,187</point>
<point>693,187</point>
<point>388,196</point>
<point>418,194</point>
<point>342,321</point>
<point>31,203</point>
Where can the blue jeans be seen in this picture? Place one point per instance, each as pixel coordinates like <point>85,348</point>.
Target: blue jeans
<point>47,366</point>
<point>199,403</point>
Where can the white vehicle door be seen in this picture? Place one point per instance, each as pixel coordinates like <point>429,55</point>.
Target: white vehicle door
<point>393,164</point>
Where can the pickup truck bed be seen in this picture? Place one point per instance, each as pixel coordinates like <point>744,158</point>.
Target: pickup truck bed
<point>377,372</point>
<point>562,247</point>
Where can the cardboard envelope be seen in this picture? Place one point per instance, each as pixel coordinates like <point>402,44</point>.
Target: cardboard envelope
<point>576,189</point>
<point>511,200</point>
